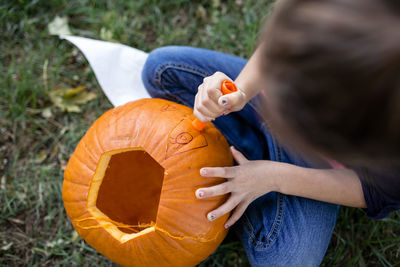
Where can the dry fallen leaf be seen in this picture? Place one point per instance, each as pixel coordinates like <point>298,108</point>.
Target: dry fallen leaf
<point>7,246</point>
<point>201,12</point>
<point>69,99</point>
<point>40,157</point>
<point>3,182</point>
<point>75,237</point>
<point>59,26</point>
<point>46,113</point>
<point>15,220</point>
<point>54,151</point>
<point>63,164</point>
<point>74,91</point>
<point>106,35</point>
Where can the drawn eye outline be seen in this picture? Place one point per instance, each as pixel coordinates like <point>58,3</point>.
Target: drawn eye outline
<point>179,141</point>
<point>168,107</point>
<point>183,138</point>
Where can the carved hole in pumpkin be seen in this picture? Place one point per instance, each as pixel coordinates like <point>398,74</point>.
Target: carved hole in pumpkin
<point>130,190</point>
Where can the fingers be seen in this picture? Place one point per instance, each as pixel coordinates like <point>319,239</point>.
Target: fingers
<point>231,100</point>
<point>224,172</point>
<point>216,190</point>
<point>237,213</point>
<point>206,107</point>
<point>234,203</point>
<point>229,205</point>
<point>208,100</point>
<point>201,112</point>
<point>201,117</point>
<point>210,89</point>
<point>239,157</point>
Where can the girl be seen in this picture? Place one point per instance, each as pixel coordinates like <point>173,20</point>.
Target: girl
<point>322,87</point>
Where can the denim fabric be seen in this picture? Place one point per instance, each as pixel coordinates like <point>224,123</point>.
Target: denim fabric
<point>276,229</point>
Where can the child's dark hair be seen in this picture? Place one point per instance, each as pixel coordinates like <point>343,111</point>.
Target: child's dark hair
<point>335,69</point>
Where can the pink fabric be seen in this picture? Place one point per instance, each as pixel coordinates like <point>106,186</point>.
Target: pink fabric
<point>334,164</point>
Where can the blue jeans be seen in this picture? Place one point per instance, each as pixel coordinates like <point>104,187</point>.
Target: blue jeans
<point>276,229</point>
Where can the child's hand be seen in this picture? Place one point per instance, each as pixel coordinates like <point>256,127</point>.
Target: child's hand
<point>209,102</point>
<point>246,182</point>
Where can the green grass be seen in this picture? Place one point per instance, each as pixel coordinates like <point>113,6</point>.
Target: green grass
<point>34,229</point>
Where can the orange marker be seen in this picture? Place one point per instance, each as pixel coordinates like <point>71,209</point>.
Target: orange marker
<point>227,87</point>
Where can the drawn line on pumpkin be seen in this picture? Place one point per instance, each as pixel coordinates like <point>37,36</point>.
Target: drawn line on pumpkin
<point>180,140</point>
<point>167,157</point>
<point>168,107</point>
<point>173,128</point>
<point>112,223</point>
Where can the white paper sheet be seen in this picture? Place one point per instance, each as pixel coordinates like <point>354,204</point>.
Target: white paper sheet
<point>117,68</point>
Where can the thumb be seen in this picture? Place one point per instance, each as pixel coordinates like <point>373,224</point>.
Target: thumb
<point>230,100</point>
<point>238,156</point>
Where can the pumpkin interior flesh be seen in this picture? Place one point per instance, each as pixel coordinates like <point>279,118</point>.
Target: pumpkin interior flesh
<point>130,189</point>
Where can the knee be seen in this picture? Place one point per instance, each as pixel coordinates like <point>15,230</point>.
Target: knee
<point>153,67</point>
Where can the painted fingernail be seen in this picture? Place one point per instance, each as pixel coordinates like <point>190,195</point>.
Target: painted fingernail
<point>201,194</point>
<point>223,114</point>
<point>224,102</point>
<point>227,226</point>
<point>203,172</point>
<point>211,217</point>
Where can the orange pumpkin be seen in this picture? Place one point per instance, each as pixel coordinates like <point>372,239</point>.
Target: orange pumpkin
<point>129,188</point>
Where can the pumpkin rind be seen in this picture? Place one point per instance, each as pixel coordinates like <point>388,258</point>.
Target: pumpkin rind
<point>163,129</point>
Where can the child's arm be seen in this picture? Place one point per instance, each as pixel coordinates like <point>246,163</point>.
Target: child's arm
<point>252,179</point>
<point>249,77</point>
<point>330,185</point>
